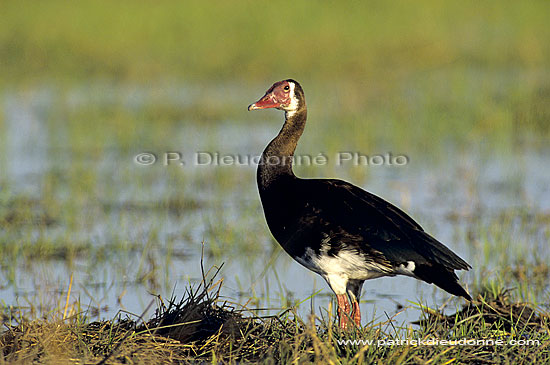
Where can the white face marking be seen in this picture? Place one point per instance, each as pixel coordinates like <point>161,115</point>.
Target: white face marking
<point>293,105</point>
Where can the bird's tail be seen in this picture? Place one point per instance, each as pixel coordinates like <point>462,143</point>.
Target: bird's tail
<point>442,277</point>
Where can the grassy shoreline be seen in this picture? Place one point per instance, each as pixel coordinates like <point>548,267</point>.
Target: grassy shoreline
<point>202,327</point>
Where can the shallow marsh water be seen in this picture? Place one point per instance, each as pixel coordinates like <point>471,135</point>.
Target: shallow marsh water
<point>76,202</point>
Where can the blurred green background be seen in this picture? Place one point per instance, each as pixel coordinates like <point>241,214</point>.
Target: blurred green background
<point>358,41</point>
<point>469,70</point>
<point>462,88</point>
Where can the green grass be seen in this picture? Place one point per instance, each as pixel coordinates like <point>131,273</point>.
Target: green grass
<point>203,327</point>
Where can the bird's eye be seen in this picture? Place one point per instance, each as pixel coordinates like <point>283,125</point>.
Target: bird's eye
<point>286,88</point>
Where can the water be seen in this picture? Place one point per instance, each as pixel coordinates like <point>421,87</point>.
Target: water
<point>152,220</point>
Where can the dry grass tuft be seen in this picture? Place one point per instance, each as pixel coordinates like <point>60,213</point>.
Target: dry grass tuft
<point>201,327</point>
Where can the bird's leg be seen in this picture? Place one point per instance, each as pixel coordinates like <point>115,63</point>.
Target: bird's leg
<point>354,292</point>
<point>356,313</point>
<point>343,310</point>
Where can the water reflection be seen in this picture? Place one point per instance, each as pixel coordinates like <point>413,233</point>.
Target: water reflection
<point>152,220</point>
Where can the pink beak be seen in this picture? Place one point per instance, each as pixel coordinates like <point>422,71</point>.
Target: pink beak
<point>267,101</point>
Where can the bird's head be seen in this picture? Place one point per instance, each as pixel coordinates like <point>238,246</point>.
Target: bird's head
<point>285,95</point>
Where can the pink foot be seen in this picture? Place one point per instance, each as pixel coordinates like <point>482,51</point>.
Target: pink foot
<point>343,310</point>
<point>356,313</point>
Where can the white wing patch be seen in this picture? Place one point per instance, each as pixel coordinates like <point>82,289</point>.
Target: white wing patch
<point>406,270</point>
<point>348,265</point>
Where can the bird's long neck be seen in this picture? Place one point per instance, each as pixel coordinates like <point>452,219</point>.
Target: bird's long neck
<point>276,161</point>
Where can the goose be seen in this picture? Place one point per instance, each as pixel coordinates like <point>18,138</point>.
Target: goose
<point>336,229</point>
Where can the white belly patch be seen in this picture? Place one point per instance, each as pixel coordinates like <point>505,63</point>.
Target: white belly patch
<point>350,264</point>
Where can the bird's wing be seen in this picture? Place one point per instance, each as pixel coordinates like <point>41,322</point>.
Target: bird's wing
<point>351,212</point>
